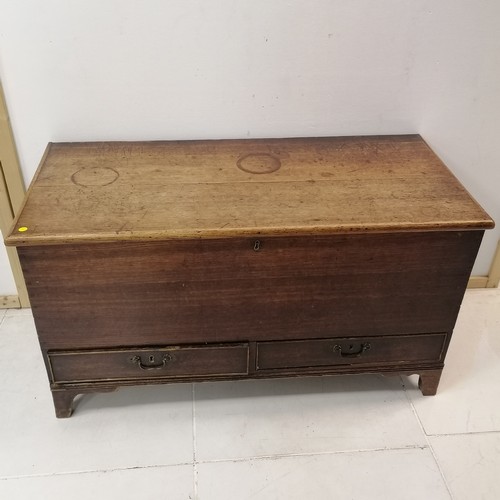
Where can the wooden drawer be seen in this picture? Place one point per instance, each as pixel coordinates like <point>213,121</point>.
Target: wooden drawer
<point>400,349</point>
<point>164,362</point>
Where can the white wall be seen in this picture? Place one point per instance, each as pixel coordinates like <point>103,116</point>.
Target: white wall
<point>456,81</point>
<point>155,69</point>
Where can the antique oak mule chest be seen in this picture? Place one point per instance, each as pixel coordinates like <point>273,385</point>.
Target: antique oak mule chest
<point>156,262</point>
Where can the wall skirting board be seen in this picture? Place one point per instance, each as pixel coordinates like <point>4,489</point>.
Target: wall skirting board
<point>494,274</point>
<point>478,282</point>
<point>9,302</point>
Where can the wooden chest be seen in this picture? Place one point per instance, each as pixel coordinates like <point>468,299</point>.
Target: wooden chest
<point>155,262</point>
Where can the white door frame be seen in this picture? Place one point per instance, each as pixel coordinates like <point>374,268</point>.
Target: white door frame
<point>11,197</point>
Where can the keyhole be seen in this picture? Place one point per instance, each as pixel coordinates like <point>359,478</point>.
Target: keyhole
<point>351,347</point>
<point>256,245</point>
<point>151,359</point>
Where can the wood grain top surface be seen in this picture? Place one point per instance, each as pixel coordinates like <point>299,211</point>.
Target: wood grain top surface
<point>109,191</point>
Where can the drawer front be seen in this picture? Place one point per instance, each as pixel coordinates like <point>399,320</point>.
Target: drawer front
<point>394,349</point>
<point>131,364</point>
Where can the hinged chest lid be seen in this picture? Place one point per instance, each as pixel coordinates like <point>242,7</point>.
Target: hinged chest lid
<point>112,191</point>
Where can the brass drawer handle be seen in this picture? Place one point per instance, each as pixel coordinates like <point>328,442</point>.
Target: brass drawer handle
<point>363,347</point>
<point>138,361</point>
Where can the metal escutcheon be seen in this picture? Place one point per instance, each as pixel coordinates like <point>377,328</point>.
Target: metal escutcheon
<point>138,361</point>
<point>348,354</point>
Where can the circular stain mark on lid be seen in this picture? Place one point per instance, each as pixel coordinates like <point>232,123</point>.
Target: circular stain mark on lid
<point>259,163</point>
<point>95,176</point>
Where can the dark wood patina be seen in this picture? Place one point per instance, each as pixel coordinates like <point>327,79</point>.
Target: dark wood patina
<point>157,262</point>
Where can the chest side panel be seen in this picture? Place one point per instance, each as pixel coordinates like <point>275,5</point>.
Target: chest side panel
<point>232,290</point>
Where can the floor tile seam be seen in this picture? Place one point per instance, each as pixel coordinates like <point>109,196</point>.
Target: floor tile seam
<point>195,481</point>
<point>9,314</point>
<point>278,456</point>
<point>94,471</point>
<point>426,437</point>
<point>195,467</point>
<point>470,433</point>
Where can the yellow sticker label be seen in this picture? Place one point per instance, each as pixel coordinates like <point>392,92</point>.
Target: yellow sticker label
<point>22,229</point>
